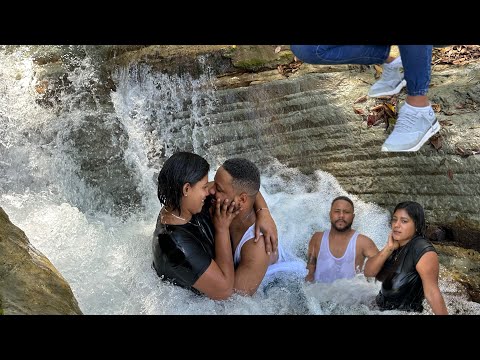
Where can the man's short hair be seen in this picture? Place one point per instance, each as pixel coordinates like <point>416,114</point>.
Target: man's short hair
<point>343,198</point>
<point>245,174</point>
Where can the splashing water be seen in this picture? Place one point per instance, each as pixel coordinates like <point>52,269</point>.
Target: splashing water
<point>106,258</point>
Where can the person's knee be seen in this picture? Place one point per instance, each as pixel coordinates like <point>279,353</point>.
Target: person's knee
<point>305,53</point>
<point>297,50</point>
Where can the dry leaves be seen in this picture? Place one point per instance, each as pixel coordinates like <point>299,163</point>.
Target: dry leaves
<point>464,152</point>
<point>384,112</point>
<point>287,70</point>
<point>436,107</point>
<point>437,141</point>
<point>456,54</point>
<point>361,99</point>
<point>378,71</point>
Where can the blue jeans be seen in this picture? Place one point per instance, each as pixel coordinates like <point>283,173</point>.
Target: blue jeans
<point>416,60</point>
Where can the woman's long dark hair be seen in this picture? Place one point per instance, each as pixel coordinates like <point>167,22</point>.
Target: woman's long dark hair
<point>181,168</point>
<point>416,212</point>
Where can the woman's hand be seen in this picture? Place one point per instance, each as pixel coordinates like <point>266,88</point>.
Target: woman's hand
<point>223,214</point>
<point>391,243</point>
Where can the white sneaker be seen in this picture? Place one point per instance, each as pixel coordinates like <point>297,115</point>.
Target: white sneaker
<point>391,81</point>
<point>413,128</point>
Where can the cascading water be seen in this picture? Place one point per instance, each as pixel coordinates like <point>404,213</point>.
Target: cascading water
<point>48,190</point>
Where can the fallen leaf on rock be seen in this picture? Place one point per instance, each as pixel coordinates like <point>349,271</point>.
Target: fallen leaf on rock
<point>459,151</point>
<point>450,174</point>
<point>377,107</point>
<point>391,107</point>
<point>371,119</point>
<point>390,110</point>
<point>378,71</point>
<point>278,49</point>
<point>436,141</point>
<point>358,111</point>
<point>361,99</point>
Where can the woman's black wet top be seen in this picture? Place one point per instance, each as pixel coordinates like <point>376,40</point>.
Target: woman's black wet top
<point>402,287</point>
<point>182,253</point>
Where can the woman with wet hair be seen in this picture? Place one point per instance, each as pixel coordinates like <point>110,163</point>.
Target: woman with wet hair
<point>408,265</point>
<point>191,244</point>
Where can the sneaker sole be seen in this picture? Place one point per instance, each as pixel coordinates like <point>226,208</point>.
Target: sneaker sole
<point>395,91</point>
<point>432,131</point>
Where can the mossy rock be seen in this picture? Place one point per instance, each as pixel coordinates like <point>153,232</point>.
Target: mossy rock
<point>260,57</point>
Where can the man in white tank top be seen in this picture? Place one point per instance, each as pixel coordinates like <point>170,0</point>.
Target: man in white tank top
<point>239,180</point>
<point>338,253</point>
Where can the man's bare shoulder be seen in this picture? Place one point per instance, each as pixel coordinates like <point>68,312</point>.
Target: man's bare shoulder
<point>316,237</point>
<point>364,238</point>
<point>367,244</point>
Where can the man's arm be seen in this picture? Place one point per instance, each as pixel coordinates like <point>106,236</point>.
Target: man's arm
<point>368,249</point>
<point>312,253</point>
<point>252,268</point>
<point>265,224</point>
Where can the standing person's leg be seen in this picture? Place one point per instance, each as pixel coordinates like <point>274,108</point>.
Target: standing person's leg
<point>341,54</point>
<point>390,83</point>
<point>417,63</point>
<point>392,80</point>
<point>416,121</point>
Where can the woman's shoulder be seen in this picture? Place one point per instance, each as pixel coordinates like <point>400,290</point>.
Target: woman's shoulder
<point>421,245</point>
<point>421,242</point>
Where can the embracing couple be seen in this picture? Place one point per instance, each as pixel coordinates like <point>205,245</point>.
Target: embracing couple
<point>216,238</point>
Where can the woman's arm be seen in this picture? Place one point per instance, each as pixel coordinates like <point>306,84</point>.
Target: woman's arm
<point>375,263</point>
<point>265,224</point>
<point>428,269</point>
<point>217,281</point>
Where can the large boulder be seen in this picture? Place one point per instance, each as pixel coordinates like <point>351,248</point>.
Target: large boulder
<point>29,283</point>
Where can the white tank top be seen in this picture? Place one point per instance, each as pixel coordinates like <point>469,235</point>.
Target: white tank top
<point>329,268</point>
<point>286,262</point>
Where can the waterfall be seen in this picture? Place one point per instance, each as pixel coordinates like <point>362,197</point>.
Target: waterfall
<point>51,158</point>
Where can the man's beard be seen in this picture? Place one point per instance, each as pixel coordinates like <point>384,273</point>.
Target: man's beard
<point>346,228</point>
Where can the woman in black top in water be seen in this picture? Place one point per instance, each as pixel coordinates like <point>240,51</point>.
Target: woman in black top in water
<point>191,244</point>
<point>408,264</point>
